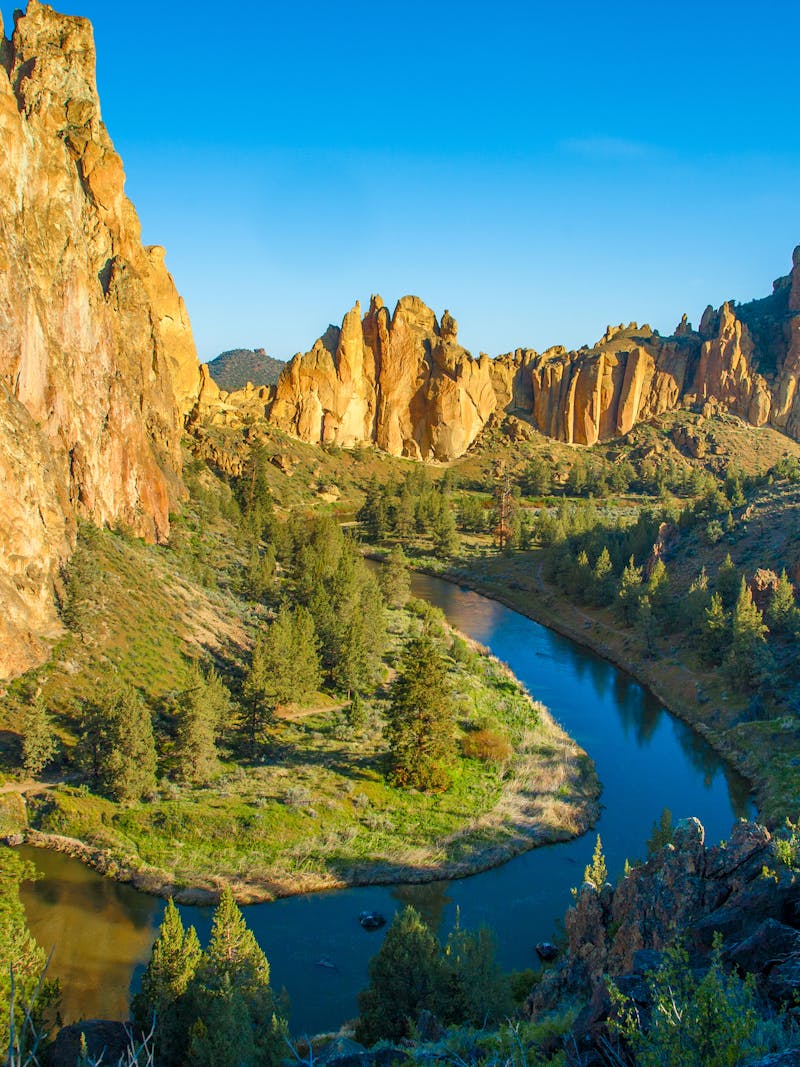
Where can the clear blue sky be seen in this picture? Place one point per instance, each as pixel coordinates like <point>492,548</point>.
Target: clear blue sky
<point>540,169</point>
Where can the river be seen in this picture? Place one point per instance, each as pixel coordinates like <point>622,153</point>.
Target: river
<point>646,758</point>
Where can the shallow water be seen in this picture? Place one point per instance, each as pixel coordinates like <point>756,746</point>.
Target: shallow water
<point>647,760</point>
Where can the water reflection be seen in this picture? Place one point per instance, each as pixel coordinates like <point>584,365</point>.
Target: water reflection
<point>431,901</point>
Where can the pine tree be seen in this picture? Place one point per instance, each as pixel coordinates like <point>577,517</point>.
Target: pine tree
<point>782,613</point>
<point>716,631</point>
<point>174,960</point>
<point>630,586</point>
<point>476,990</point>
<point>748,654</point>
<point>201,709</point>
<point>446,541</point>
<point>233,949</point>
<point>420,717</point>
<point>38,740</point>
<point>116,748</point>
<point>536,478</point>
<point>596,872</point>
<point>728,582</point>
<point>395,583</point>
<point>232,989</point>
<point>602,578</point>
<point>284,668</point>
<point>405,976</point>
<point>661,833</point>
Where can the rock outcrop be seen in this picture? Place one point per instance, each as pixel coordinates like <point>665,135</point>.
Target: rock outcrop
<point>403,382</point>
<point>740,891</point>
<point>97,364</point>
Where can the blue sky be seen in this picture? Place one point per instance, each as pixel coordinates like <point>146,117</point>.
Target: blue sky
<point>541,170</point>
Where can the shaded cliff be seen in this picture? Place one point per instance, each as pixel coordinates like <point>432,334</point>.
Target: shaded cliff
<point>403,382</point>
<point>97,363</point>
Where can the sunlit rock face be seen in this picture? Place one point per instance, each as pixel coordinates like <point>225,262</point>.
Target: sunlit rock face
<point>403,382</point>
<point>97,364</point>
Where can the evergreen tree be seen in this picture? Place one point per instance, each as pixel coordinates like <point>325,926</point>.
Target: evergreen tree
<point>284,668</point>
<point>373,514</point>
<point>395,582</point>
<point>420,717</point>
<point>446,541</point>
<point>476,991</point>
<point>782,613</point>
<point>232,990</point>
<point>748,654</point>
<point>630,586</point>
<point>603,578</point>
<point>728,582</point>
<point>695,603</point>
<point>404,517</point>
<point>536,478</point>
<point>222,1032</point>
<point>19,952</point>
<point>174,960</point>
<point>38,740</point>
<point>716,631</point>
<point>201,710</point>
<point>405,976</point>
<point>259,575</point>
<point>661,834</point>
<point>117,748</point>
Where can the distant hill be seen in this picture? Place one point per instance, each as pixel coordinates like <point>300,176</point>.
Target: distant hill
<point>234,369</point>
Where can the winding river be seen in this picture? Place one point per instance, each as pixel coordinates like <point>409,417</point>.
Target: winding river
<point>647,760</point>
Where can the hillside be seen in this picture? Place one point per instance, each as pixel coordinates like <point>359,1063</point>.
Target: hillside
<point>232,370</point>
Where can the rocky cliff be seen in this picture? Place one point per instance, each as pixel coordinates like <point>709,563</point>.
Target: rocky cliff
<point>97,363</point>
<point>740,891</point>
<point>403,382</point>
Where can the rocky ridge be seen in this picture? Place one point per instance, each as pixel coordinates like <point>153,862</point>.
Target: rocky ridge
<point>98,368</point>
<point>402,382</point>
<point>740,890</point>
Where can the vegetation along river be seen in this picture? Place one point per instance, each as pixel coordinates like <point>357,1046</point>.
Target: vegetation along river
<point>647,760</point>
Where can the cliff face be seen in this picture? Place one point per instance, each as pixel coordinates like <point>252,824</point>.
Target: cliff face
<point>97,363</point>
<point>404,382</point>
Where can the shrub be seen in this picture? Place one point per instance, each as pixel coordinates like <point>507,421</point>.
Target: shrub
<point>487,746</point>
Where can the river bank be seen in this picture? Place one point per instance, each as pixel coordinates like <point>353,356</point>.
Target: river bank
<point>646,759</point>
<point>357,831</point>
<point>682,692</point>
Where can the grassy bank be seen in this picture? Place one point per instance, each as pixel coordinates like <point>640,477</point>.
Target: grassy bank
<point>316,809</point>
<point>765,753</point>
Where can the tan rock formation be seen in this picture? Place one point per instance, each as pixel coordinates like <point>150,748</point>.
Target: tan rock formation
<point>97,362</point>
<point>404,382</point>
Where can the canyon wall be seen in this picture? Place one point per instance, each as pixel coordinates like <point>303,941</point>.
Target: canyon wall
<point>403,382</point>
<point>98,368</point>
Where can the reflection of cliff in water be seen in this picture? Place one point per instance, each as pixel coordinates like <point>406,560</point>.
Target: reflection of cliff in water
<point>116,927</point>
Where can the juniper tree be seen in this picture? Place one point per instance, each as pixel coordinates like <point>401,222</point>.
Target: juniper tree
<point>395,582</point>
<point>117,748</point>
<point>420,717</point>
<point>405,976</point>
<point>284,668</point>
<point>38,740</point>
<point>748,654</point>
<point>203,708</point>
<point>782,613</point>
